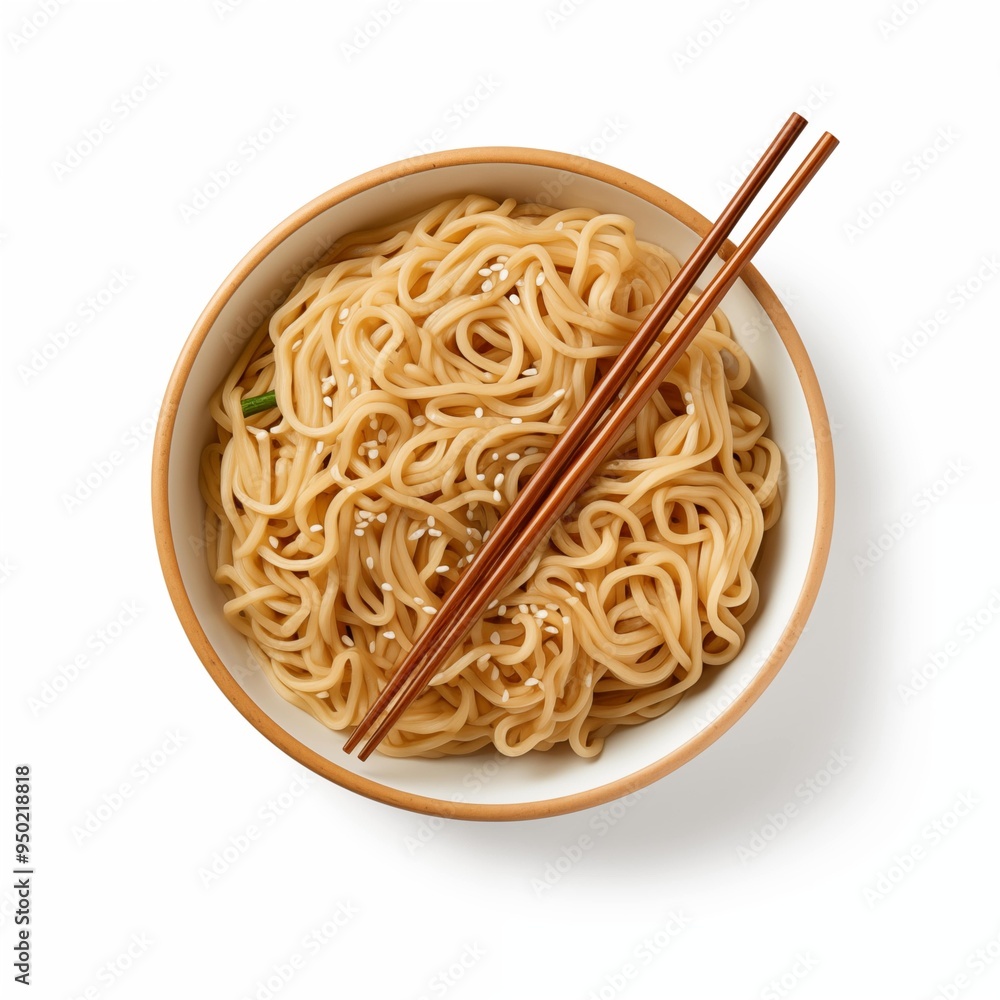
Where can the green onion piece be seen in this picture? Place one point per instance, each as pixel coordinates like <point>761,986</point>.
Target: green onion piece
<point>257,404</point>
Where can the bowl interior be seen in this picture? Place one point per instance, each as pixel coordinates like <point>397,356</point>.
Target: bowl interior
<point>487,785</point>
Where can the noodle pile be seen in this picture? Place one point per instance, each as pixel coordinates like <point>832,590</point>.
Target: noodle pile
<point>421,378</point>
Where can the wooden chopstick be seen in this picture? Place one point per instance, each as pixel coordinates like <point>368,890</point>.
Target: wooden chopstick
<point>575,457</point>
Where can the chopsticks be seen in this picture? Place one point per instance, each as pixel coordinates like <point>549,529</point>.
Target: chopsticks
<point>580,449</point>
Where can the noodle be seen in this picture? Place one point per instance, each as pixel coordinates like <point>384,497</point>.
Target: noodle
<point>420,379</point>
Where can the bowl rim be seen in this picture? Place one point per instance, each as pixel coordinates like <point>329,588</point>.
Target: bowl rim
<point>412,801</point>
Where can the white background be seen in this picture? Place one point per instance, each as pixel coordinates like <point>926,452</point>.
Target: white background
<point>882,883</point>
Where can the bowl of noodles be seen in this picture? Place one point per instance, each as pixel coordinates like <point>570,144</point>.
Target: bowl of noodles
<point>358,404</point>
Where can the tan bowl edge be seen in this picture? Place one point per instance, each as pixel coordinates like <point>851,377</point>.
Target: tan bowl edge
<point>469,810</point>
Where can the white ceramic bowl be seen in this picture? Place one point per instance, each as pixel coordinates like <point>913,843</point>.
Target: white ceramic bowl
<point>485,785</point>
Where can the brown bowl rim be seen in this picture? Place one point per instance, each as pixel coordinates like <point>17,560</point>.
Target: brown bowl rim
<point>409,800</point>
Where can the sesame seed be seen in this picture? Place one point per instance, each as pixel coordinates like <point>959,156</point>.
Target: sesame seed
<point>559,393</point>
<point>531,682</point>
<point>434,532</point>
<point>495,638</point>
<point>481,477</point>
<point>485,272</point>
<point>504,274</point>
<point>430,521</point>
<point>347,640</point>
<point>371,646</point>
<point>530,371</point>
<point>486,534</point>
<point>322,694</point>
<point>470,557</point>
<point>523,608</point>
<point>496,456</point>
<point>487,285</point>
<point>502,610</point>
<point>343,361</point>
<point>273,541</point>
<point>515,299</point>
<point>506,695</point>
<point>382,518</point>
<point>498,266</point>
<point>419,420</point>
<point>319,447</point>
<point>552,607</point>
<point>559,225</point>
<point>516,420</point>
<point>260,435</point>
<point>354,392</point>
<point>419,601</point>
<point>519,283</point>
<point>552,629</point>
<point>387,587</point>
<point>430,611</point>
<point>496,496</point>
<point>442,568</point>
<point>382,437</point>
<point>540,280</point>
<point>503,258</point>
<point>531,451</point>
<point>588,679</point>
<point>541,614</point>
<point>327,401</point>
<point>373,453</point>
<point>688,398</point>
<point>512,456</point>
<point>579,586</point>
<point>690,408</point>
<point>495,674</point>
<point>492,605</point>
<point>389,634</point>
<point>350,379</point>
<point>417,534</point>
<point>479,411</point>
<point>344,313</point>
<point>315,527</point>
<point>565,619</point>
<point>498,479</point>
<point>470,547</point>
<point>359,531</point>
<point>370,562</point>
